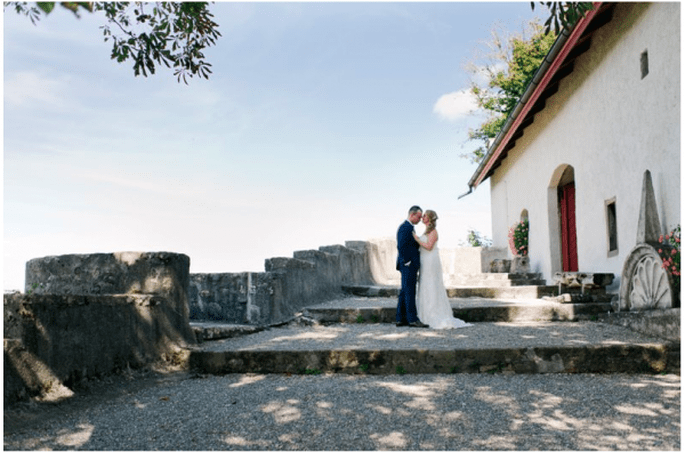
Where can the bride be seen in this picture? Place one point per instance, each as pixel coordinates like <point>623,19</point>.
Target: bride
<point>433,306</point>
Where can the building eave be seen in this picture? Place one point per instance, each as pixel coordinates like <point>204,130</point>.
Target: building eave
<point>557,64</point>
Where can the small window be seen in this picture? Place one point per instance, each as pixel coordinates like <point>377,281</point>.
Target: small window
<point>612,228</point>
<point>524,215</point>
<point>644,64</point>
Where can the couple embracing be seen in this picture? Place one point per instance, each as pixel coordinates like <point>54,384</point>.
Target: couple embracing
<point>418,260</point>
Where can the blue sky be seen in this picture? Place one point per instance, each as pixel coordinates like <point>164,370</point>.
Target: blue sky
<point>321,123</point>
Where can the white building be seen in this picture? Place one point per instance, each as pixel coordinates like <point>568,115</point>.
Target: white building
<point>603,108</point>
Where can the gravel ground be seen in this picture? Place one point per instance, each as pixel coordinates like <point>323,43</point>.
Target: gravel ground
<point>480,335</point>
<point>181,411</point>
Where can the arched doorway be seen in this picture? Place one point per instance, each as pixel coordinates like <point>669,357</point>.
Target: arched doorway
<point>563,230</point>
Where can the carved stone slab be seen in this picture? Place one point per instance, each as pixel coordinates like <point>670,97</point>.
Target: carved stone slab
<point>645,283</point>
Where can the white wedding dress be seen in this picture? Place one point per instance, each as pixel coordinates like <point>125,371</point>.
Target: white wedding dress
<point>432,304</point>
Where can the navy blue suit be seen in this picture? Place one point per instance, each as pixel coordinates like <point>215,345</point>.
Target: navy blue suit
<point>408,263</point>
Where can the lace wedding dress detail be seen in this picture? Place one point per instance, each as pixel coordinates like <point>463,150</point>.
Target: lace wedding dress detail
<point>432,304</point>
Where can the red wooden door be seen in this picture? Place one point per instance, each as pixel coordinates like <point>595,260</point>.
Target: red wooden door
<point>569,245</point>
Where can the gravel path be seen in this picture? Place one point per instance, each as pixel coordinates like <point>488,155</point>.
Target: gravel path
<point>180,411</point>
<point>481,335</point>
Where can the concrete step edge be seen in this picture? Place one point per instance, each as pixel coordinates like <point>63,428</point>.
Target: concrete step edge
<point>512,313</point>
<point>511,292</point>
<point>631,358</point>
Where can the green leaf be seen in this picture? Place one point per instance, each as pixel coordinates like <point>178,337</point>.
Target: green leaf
<point>46,7</point>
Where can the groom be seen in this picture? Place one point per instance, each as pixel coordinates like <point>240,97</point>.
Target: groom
<point>408,263</point>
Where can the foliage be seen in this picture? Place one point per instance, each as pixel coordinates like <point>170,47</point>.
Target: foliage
<point>563,14</point>
<point>669,251</point>
<point>151,34</point>
<point>511,65</point>
<point>520,57</point>
<point>474,238</point>
<point>518,238</point>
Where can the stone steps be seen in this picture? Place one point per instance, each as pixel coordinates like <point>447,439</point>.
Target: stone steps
<point>537,347</point>
<point>497,280</point>
<point>382,310</point>
<point>357,335</point>
<point>505,292</point>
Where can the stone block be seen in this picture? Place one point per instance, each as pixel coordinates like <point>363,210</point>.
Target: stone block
<point>156,273</point>
<point>54,340</point>
<point>219,296</point>
<point>520,265</point>
<point>382,258</point>
<point>662,323</point>
<point>240,298</point>
<point>500,266</point>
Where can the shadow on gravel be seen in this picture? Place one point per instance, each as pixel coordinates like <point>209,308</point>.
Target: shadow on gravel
<point>400,412</point>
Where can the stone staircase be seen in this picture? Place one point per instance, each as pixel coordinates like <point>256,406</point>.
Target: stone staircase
<point>497,280</point>
<point>516,328</point>
<point>482,285</point>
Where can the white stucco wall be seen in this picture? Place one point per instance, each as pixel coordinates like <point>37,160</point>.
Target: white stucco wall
<point>610,125</point>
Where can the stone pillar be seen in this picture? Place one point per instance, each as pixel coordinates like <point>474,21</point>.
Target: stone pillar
<point>645,284</point>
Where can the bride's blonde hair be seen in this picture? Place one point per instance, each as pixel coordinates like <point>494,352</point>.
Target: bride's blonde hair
<point>432,219</point>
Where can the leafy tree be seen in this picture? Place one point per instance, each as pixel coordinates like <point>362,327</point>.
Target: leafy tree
<point>150,34</point>
<point>475,238</point>
<point>513,63</point>
<point>509,68</point>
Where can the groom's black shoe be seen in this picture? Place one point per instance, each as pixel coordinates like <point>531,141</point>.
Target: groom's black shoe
<point>403,323</point>
<point>418,324</point>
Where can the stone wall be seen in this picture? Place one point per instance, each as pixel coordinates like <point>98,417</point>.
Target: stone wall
<point>457,263</point>
<point>662,323</point>
<point>159,273</point>
<point>286,286</point>
<point>314,276</point>
<point>92,314</point>
<point>53,341</point>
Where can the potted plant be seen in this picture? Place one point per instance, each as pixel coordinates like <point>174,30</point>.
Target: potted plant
<point>518,244</point>
<point>669,251</point>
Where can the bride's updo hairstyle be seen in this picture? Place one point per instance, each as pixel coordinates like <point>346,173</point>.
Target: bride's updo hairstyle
<point>432,219</point>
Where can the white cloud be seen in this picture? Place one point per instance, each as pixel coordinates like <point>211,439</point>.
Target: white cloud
<point>455,106</point>
<point>27,86</point>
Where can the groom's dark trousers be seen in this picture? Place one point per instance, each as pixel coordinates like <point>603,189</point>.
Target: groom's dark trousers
<point>408,263</point>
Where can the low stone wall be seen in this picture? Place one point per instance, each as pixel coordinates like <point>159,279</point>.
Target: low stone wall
<point>158,273</point>
<point>457,263</point>
<point>460,263</point>
<point>52,341</point>
<point>314,276</point>
<point>286,286</point>
<point>662,323</point>
<point>92,314</point>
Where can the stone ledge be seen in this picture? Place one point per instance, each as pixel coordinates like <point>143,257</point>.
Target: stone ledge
<point>583,279</point>
<point>570,359</point>
<point>661,323</point>
<point>209,331</point>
